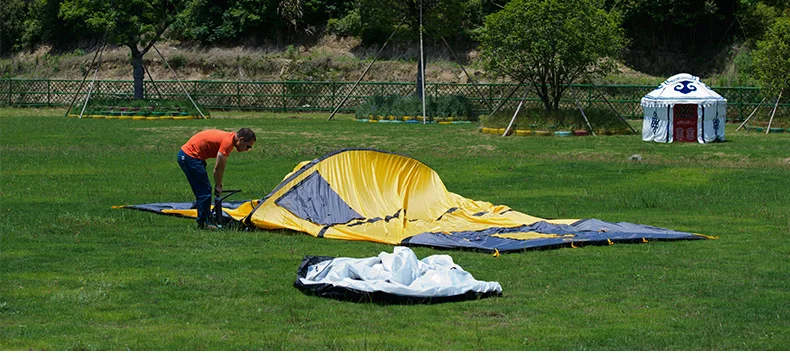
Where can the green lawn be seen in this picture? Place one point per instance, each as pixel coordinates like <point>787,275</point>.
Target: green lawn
<point>77,274</point>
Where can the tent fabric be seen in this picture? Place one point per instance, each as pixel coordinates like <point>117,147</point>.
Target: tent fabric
<point>397,277</point>
<point>377,196</point>
<point>658,123</point>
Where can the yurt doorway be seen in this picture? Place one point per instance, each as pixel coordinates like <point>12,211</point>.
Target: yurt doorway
<point>684,122</point>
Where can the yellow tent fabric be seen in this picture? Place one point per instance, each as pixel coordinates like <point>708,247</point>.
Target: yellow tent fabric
<point>377,184</point>
<point>371,195</point>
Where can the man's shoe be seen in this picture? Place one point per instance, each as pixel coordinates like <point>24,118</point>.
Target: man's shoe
<point>210,226</point>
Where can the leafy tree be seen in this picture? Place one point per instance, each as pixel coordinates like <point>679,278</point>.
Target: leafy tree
<point>679,35</point>
<point>225,21</point>
<point>137,24</point>
<point>440,17</point>
<point>772,57</point>
<point>757,16</point>
<point>550,43</point>
<point>12,15</point>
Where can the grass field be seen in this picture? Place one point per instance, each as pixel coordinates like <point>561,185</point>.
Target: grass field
<point>76,274</point>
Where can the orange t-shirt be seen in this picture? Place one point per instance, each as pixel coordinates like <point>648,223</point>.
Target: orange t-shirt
<point>207,143</point>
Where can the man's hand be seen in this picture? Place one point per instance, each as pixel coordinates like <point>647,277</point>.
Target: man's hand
<point>219,170</point>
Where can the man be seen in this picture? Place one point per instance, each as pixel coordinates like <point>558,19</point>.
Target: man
<point>192,158</point>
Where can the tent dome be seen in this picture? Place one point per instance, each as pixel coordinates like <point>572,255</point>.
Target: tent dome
<point>682,89</point>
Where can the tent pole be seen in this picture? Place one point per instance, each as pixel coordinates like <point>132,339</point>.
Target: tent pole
<point>523,98</point>
<point>422,69</point>
<point>774,112</point>
<point>331,116</point>
<point>93,81</point>
<point>474,84</point>
<point>179,81</point>
<point>750,115</point>
<point>610,104</point>
<point>579,105</point>
<point>103,41</point>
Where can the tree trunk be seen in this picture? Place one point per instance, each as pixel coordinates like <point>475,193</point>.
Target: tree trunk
<point>138,73</point>
<point>544,96</point>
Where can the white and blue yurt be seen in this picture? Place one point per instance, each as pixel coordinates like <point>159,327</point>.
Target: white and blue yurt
<point>683,109</point>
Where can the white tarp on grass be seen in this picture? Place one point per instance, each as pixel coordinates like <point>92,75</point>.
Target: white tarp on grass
<point>399,275</point>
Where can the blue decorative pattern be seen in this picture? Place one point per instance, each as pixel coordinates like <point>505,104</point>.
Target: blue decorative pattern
<point>716,124</point>
<point>685,87</point>
<point>654,122</point>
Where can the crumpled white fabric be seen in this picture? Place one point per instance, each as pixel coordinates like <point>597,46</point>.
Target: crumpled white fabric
<point>399,273</point>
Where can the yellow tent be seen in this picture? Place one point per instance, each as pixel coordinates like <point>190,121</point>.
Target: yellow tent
<point>363,194</point>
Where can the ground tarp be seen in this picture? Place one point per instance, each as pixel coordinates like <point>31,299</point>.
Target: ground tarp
<point>370,195</point>
<point>398,277</point>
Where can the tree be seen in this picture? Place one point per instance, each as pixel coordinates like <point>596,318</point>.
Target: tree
<point>227,21</point>
<point>379,18</point>
<point>772,57</point>
<point>550,43</point>
<point>137,24</point>
<point>12,16</point>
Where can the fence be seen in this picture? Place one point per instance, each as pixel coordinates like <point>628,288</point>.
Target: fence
<point>301,96</point>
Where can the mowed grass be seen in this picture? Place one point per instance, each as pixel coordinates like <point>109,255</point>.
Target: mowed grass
<point>77,274</point>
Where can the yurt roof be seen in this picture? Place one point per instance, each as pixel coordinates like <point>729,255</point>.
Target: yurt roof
<point>682,89</point>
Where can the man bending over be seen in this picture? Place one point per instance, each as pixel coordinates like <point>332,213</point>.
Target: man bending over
<point>192,159</point>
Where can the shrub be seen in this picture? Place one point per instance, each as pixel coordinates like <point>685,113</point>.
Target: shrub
<point>435,107</point>
<point>177,61</point>
<point>348,26</point>
<point>565,119</point>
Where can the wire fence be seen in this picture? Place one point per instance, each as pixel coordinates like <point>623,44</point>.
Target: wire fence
<point>300,96</point>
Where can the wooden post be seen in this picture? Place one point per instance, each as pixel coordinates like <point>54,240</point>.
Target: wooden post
<point>774,111</point>
<point>750,115</point>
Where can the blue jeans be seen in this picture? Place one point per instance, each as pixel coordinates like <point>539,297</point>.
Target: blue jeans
<point>195,170</point>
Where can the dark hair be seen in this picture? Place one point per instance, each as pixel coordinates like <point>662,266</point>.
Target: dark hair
<point>247,134</point>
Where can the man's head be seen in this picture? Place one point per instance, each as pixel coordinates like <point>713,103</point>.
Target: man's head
<point>245,138</point>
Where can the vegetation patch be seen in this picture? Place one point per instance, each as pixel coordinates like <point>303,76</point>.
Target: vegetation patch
<point>141,108</point>
<point>439,109</point>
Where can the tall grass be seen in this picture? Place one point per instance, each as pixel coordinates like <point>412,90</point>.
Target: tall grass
<point>76,274</point>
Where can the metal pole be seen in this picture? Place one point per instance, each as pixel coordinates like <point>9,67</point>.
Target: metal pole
<point>579,105</point>
<point>774,112</point>
<point>474,84</point>
<point>508,96</point>
<point>523,98</point>
<point>610,104</point>
<point>152,81</point>
<point>422,68</point>
<point>750,115</point>
<point>104,40</point>
<point>331,116</point>
<point>179,81</point>
<point>93,81</point>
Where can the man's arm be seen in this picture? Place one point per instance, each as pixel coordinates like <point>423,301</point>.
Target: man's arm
<point>219,170</point>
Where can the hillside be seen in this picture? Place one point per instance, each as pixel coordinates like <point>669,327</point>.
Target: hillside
<point>328,59</point>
